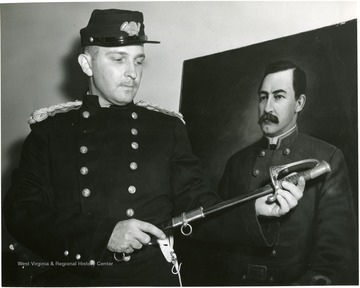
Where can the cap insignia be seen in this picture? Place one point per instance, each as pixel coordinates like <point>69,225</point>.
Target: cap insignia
<point>131,28</point>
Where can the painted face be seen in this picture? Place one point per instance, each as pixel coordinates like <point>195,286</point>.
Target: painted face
<point>278,108</point>
<point>116,74</point>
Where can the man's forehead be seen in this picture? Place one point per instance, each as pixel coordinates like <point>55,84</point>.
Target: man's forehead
<point>278,80</point>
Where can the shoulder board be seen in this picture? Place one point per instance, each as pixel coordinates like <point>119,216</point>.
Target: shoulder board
<point>43,113</point>
<point>157,108</point>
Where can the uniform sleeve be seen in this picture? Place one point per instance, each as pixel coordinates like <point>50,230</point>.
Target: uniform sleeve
<point>189,186</point>
<point>332,257</point>
<point>32,217</point>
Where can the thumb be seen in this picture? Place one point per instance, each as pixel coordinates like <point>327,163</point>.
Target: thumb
<point>301,183</point>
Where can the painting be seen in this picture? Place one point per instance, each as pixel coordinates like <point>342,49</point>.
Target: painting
<point>219,100</point>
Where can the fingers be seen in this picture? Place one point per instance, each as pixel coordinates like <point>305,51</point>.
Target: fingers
<point>151,229</point>
<point>128,250</point>
<point>283,205</point>
<point>286,201</point>
<point>289,197</point>
<point>295,190</point>
<point>132,234</point>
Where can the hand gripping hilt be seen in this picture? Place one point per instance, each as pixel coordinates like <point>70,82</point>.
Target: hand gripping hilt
<point>320,167</point>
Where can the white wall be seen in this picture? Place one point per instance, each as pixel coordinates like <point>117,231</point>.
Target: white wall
<point>36,40</point>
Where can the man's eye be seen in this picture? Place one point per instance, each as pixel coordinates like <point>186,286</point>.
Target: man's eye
<point>262,98</point>
<point>278,97</point>
<point>139,62</point>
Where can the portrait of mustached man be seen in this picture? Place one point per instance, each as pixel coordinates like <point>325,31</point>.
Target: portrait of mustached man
<point>313,243</point>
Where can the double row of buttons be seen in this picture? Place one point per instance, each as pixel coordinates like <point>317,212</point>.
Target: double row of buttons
<point>262,153</point>
<point>133,165</point>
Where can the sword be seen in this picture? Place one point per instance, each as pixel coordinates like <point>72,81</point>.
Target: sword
<point>319,168</point>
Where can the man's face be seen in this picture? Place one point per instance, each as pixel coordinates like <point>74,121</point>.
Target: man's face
<point>116,74</point>
<point>277,105</point>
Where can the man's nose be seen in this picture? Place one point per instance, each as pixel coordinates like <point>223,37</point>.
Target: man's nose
<point>130,71</point>
<point>268,105</point>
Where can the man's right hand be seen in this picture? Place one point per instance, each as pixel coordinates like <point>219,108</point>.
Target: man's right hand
<point>287,199</point>
<point>132,234</point>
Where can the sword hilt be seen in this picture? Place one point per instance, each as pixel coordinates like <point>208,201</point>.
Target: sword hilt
<point>321,167</point>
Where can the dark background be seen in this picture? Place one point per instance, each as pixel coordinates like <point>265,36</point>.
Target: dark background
<point>219,103</point>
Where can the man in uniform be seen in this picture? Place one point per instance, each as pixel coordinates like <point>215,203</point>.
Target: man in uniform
<point>313,243</point>
<point>96,176</point>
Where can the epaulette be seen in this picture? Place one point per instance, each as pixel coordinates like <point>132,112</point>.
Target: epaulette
<point>43,113</point>
<point>157,108</point>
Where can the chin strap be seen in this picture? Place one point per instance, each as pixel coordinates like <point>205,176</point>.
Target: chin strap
<point>166,246</point>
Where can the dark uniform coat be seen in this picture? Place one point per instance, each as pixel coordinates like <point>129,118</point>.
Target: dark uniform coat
<point>84,170</point>
<point>313,242</point>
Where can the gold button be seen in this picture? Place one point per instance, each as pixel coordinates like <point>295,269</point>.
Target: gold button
<point>91,39</point>
<point>286,151</point>
<point>92,262</point>
<point>262,153</point>
<point>134,115</point>
<point>78,256</point>
<point>66,253</point>
<point>86,192</point>
<point>84,170</point>
<point>132,189</point>
<point>130,212</point>
<point>134,131</point>
<point>133,165</point>
<point>256,172</point>
<point>135,145</point>
<point>86,114</point>
<point>273,252</point>
<point>83,149</point>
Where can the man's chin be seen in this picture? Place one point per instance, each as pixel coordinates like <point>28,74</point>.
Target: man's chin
<point>269,129</point>
<point>125,98</point>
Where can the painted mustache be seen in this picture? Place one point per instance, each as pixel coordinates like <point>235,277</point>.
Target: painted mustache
<point>268,117</point>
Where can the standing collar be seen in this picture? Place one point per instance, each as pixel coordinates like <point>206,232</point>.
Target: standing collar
<point>282,140</point>
<point>92,102</point>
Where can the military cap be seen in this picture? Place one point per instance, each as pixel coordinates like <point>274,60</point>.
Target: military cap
<point>114,27</point>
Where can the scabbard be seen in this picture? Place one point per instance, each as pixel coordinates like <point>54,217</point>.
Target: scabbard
<point>201,212</point>
<point>320,168</point>
<point>267,189</point>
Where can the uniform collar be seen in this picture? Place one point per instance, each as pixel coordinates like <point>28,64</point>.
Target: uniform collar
<point>92,102</point>
<point>283,140</point>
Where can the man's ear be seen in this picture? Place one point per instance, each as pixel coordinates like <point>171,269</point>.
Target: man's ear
<point>85,63</point>
<point>300,103</point>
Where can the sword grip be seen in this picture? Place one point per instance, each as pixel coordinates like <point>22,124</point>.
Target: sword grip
<point>320,169</point>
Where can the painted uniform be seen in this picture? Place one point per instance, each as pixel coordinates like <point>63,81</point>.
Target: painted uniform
<point>313,243</point>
